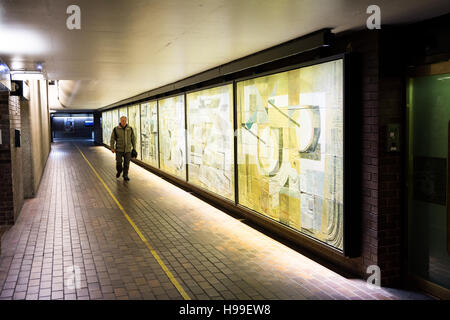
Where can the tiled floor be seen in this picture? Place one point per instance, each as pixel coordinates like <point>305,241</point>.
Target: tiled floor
<point>73,242</point>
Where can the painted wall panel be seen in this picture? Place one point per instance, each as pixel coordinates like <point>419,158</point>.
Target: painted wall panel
<point>172,136</point>
<point>134,120</point>
<point>210,140</point>
<point>123,112</point>
<point>114,118</point>
<point>107,126</point>
<point>290,148</point>
<point>149,133</point>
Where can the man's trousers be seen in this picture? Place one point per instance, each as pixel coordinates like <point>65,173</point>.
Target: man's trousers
<point>126,162</point>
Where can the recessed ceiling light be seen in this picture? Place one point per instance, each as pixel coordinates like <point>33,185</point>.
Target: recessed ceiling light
<point>17,65</point>
<point>27,75</point>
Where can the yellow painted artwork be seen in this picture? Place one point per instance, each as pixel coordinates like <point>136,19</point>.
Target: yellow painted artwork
<point>123,112</point>
<point>290,148</point>
<point>149,133</point>
<point>114,118</point>
<point>106,126</point>
<point>134,119</point>
<point>172,136</point>
<point>210,140</point>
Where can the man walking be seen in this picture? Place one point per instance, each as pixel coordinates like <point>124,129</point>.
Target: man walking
<point>122,142</point>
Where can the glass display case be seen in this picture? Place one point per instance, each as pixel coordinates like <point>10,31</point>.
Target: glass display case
<point>123,112</point>
<point>210,140</point>
<point>290,148</point>
<point>172,136</point>
<point>106,126</point>
<point>134,121</point>
<point>149,133</point>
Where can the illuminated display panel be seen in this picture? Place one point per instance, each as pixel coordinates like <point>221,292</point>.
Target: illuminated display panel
<point>123,112</point>
<point>106,126</point>
<point>172,136</point>
<point>210,140</point>
<point>149,133</point>
<point>114,118</point>
<point>134,120</point>
<point>103,126</point>
<point>290,149</point>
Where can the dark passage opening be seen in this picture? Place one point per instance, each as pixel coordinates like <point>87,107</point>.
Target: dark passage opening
<point>72,126</point>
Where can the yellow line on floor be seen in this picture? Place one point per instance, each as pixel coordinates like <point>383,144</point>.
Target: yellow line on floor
<point>154,253</point>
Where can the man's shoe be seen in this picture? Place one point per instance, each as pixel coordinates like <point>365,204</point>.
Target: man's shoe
<point>118,174</point>
<point>126,178</point>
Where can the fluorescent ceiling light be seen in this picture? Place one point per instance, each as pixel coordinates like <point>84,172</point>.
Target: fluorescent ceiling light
<point>19,41</point>
<point>27,75</point>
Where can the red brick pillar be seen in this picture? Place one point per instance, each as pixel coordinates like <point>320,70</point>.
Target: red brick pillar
<point>11,186</point>
<point>6,193</point>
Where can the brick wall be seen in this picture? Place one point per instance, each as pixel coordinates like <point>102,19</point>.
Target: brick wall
<point>381,75</point>
<point>391,209</point>
<point>365,45</point>
<point>21,167</point>
<point>11,188</point>
<point>368,47</point>
<point>6,196</point>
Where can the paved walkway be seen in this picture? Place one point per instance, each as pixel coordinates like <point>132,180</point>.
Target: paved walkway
<point>73,242</point>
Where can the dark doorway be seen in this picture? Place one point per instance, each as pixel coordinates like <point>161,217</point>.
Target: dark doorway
<point>72,126</point>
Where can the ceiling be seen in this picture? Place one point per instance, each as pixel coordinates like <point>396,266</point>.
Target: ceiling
<point>127,47</point>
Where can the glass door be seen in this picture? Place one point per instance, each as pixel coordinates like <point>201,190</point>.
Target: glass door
<point>428,111</point>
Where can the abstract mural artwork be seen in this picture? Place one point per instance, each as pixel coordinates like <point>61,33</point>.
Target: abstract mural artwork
<point>107,126</point>
<point>123,112</point>
<point>134,122</point>
<point>210,140</point>
<point>149,133</point>
<point>114,119</point>
<point>290,149</point>
<point>172,136</point>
